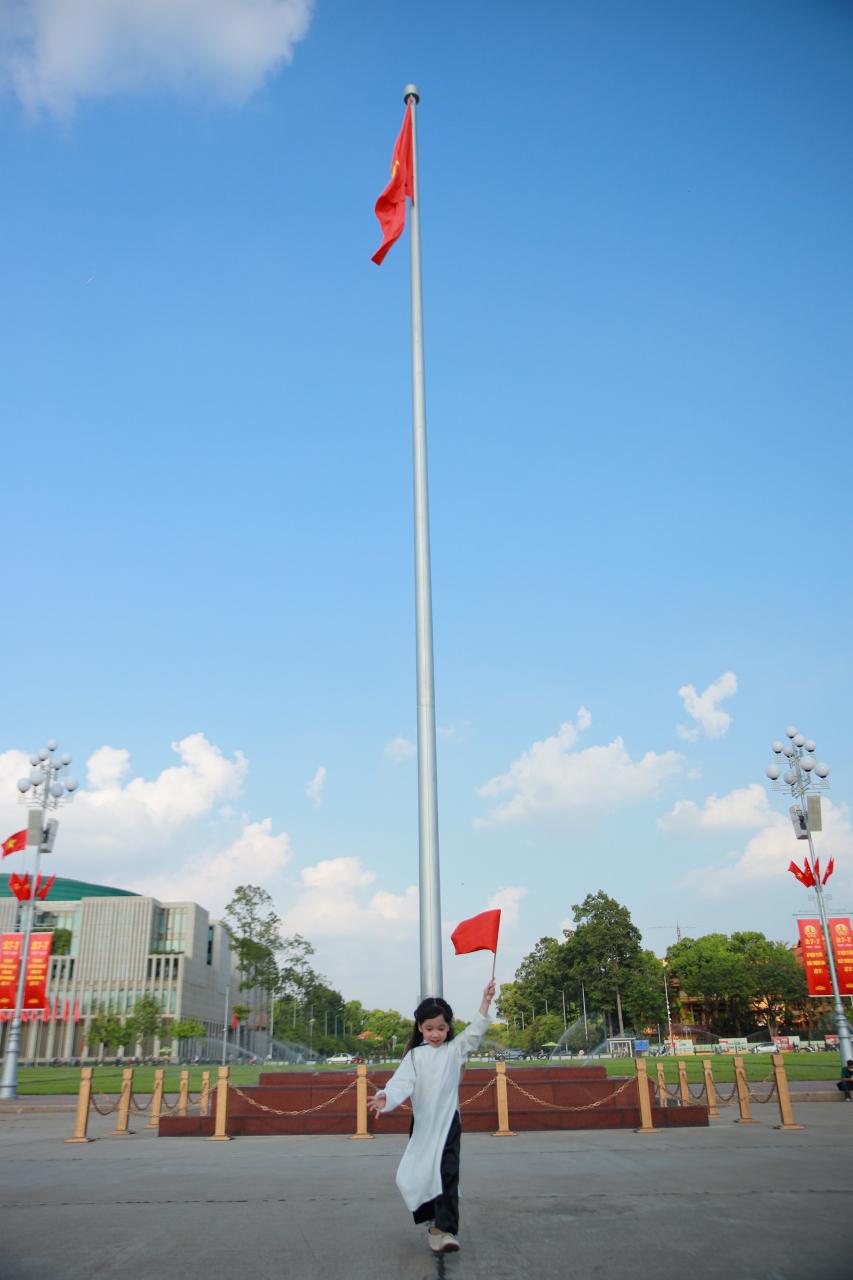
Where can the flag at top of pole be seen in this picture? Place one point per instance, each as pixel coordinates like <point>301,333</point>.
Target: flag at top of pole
<point>391,205</point>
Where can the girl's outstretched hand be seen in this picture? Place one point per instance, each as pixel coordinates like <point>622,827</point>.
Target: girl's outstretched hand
<point>376,1104</point>
<point>488,996</point>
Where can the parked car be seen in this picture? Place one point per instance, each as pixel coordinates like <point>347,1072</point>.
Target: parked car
<point>511,1054</point>
<point>345,1058</point>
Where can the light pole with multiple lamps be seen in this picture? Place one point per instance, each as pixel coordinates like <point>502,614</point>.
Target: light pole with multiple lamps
<point>804,779</point>
<point>42,790</point>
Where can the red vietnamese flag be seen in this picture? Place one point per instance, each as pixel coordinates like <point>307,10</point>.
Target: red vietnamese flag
<point>56,1008</point>
<point>45,1013</point>
<point>235,1022</point>
<point>830,867</point>
<point>391,206</point>
<point>480,933</point>
<point>803,874</point>
<point>67,1011</point>
<point>76,1010</point>
<point>15,843</point>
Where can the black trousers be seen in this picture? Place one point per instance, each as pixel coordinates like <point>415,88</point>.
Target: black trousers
<point>444,1209</point>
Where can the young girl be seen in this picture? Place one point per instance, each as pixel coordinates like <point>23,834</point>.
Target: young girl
<point>428,1176</point>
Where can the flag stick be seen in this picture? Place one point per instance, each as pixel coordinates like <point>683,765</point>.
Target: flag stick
<point>429,884</point>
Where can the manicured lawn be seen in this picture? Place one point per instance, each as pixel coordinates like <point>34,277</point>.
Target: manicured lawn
<point>66,1080</point>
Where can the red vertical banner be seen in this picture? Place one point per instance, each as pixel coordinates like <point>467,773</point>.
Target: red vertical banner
<point>842,948</point>
<point>38,961</point>
<point>814,958</point>
<point>11,946</point>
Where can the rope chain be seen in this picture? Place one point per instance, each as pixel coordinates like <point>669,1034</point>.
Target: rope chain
<point>274,1111</point>
<point>590,1106</point>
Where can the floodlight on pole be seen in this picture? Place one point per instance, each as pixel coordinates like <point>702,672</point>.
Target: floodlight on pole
<point>805,779</point>
<point>42,791</point>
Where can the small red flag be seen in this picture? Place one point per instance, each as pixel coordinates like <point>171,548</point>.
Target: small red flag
<point>15,843</point>
<point>816,872</point>
<point>803,874</point>
<point>235,1022</point>
<point>76,1010</point>
<point>391,205</point>
<point>67,1011</point>
<point>42,890</point>
<point>56,1008</point>
<point>45,1013</point>
<point>480,933</point>
<point>830,867</point>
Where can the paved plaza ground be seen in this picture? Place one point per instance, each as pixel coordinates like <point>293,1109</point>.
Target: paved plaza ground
<point>744,1203</point>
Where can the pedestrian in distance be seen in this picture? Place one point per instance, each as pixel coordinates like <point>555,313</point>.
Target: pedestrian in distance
<point>429,1074</point>
<point>845,1084</point>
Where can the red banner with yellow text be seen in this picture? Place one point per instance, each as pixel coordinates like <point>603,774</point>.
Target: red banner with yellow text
<point>842,948</point>
<point>11,946</point>
<point>814,958</point>
<point>38,961</point>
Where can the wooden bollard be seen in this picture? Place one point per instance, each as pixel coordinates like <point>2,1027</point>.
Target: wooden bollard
<point>204,1100</point>
<point>503,1130</point>
<point>156,1100</point>
<point>361,1103</point>
<point>84,1098</point>
<point>646,1125</point>
<point>710,1091</point>
<point>683,1087</point>
<point>663,1096</point>
<point>742,1093</point>
<point>184,1093</point>
<point>121,1130</point>
<point>786,1112</point>
<point>219,1134</point>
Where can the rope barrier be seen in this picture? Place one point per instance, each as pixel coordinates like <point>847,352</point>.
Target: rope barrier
<point>589,1106</point>
<point>113,1106</point>
<point>306,1111</point>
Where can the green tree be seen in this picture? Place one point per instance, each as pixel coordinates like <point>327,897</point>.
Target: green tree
<point>775,979</point>
<point>147,1019</point>
<point>643,995</point>
<point>186,1029</point>
<point>714,973</point>
<point>602,950</point>
<point>106,1032</point>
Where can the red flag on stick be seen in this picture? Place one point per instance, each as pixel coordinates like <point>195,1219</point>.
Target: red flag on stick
<point>803,874</point>
<point>76,1010</point>
<point>235,1022</point>
<point>67,1011</point>
<point>391,205</point>
<point>15,843</point>
<point>830,867</point>
<point>480,933</point>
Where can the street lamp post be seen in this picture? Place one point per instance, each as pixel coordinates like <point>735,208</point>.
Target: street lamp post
<point>42,791</point>
<point>804,779</point>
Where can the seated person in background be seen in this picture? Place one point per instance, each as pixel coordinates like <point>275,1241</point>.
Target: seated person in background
<point>845,1084</point>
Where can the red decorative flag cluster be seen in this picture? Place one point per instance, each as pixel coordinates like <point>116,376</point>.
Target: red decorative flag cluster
<point>480,933</point>
<point>803,874</point>
<point>19,885</point>
<point>391,205</point>
<point>830,867</point>
<point>15,843</point>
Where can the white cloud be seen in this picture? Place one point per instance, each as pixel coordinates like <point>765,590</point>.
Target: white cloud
<point>257,856</point>
<point>399,750</point>
<point>702,707</point>
<point>767,854</point>
<point>508,901</point>
<point>314,790</point>
<point>56,53</point>
<point>551,776</point>
<point>107,766</point>
<point>741,809</point>
<point>332,901</point>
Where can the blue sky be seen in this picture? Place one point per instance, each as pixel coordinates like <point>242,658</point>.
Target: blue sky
<point>638,284</point>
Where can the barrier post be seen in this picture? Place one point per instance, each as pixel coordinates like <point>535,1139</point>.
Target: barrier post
<point>786,1113</point>
<point>84,1097</point>
<point>683,1088</point>
<point>219,1134</point>
<point>742,1093</point>
<point>204,1100</point>
<point>361,1103</point>
<point>156,1100</point>
<point>184,1093</point>
<point>646,1125</point>
<point>121,1130</point>
<point>663,1097</point>
<point>503,1130</point>
<point>710,1091</point>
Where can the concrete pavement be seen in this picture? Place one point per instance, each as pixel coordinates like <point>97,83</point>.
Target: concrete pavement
<point>744,1203</point>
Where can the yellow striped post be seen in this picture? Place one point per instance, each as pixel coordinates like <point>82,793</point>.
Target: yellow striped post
<point>683,1088</point>
<point>503,1130</point>
<point>663,1097</point>
<point>745,1116</point>
<point>204,1100</point>
<point>219,1134</point>
<point>184,1093</point>
<point>121,1130</point>
<point>361,1104</point>
<point>786,1113</point>
<point>156,1100</point>
<point>646,1125</point>
<point>84,1098</point>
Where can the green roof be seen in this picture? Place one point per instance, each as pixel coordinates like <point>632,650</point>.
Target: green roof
<point>72,890</point>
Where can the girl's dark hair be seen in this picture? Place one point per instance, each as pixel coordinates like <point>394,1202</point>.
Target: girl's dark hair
<point>431,1007</point>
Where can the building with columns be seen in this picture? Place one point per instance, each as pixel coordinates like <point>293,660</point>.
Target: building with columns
<point>119,947</point>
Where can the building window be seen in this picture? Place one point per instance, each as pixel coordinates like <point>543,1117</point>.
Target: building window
<point>168,930</point>
<point>157,968</point>
<point>210,944</point>
<point>172,995</point>
<point>175,967</point>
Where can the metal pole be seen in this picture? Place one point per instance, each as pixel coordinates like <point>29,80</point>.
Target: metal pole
<point>668,1016</point>
<point>225,1025</point>
<point>429,885</point>
<point>9,1083</point>
<point>585,1027</point>
<point>565,1023</point>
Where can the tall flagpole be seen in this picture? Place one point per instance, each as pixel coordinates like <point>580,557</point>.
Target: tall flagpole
<point>430,890</point>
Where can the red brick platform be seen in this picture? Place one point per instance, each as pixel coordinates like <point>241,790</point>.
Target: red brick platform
<point>574,1087</point>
